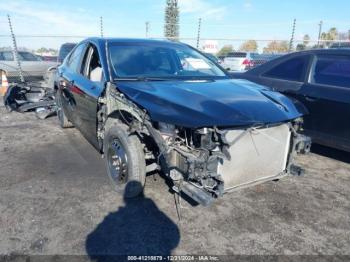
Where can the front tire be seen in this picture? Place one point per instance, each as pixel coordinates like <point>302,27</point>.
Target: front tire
<point>124,158</point>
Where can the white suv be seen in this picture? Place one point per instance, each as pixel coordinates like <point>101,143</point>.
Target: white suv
<point>238,61</point>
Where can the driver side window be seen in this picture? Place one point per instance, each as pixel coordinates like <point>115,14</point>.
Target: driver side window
<point>91,66</point>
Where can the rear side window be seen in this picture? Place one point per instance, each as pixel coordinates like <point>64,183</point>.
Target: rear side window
<point>6,56</point>
<point>292,69</point>
<point>331,70</point>
<point>26,56</point>
<point>75,58</point>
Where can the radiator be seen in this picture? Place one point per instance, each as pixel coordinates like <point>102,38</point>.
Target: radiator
<point>257,155</point>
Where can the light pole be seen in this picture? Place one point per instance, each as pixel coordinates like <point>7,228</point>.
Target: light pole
<point>199,31</point>
<point>101,26</point>
<point>147,29</point>
<point>319,33</point>
<point>292,38</point>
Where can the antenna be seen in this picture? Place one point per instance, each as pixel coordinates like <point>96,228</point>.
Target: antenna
<point>15,50</point>
<point>319,32</point>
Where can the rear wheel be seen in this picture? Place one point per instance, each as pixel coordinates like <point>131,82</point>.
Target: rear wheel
<point>124,157</point>
<point>62,118</point>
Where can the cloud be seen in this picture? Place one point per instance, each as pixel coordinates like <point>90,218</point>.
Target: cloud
<point>203,9</point>
<point>247,5</point>
<point>34,18</point>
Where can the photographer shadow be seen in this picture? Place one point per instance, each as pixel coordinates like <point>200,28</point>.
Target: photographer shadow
<point>137,228</point>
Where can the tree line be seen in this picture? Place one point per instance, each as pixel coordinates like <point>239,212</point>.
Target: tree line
<point>326,39</point>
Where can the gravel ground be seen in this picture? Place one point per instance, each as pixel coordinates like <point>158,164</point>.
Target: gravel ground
<point>55,198</point>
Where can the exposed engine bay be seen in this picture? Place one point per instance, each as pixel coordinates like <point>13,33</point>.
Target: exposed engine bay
<point>204,163</point>
<point>217,161</point>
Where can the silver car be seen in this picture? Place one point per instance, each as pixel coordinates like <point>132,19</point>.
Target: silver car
<point>33,67</point>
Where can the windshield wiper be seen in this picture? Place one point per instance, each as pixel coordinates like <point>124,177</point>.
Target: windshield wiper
<point>141,79</point>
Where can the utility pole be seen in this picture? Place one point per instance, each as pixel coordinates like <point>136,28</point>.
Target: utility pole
<point>319,33</point>
<point>147,29</point>
<point>171,20</point>
<point>101,26</point>
<point>199,31</point>
<point>292,38</point>
<point>15,51</point>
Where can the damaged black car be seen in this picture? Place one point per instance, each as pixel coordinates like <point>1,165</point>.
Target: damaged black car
<point>159,105</point>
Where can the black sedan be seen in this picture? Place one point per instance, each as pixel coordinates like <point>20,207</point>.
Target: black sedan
<point>320,80</point>
<point>148,105</point>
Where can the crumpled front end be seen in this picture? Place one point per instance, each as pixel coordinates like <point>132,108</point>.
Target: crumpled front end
<point>208,162</point>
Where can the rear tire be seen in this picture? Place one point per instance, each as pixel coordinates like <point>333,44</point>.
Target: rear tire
<point>124,158</point>
<point>62,118</point>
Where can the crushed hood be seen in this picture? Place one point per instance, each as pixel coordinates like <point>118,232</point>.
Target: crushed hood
<point>210,103</point>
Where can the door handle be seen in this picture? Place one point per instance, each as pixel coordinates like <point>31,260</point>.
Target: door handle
<point>310,99</point>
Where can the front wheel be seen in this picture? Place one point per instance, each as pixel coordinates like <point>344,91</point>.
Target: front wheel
<point>124,157</point>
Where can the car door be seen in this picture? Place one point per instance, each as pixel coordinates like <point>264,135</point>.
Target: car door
<point>327,97</point>
<point>86,91</point>
<point>68,76</point>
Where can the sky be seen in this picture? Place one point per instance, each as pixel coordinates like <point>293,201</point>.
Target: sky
<point>221,19</point>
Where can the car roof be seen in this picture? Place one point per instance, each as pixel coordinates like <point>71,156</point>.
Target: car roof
<point>270,64</point>
<point>68,44</point>
<point>323,51</point>
<point>10,50</point>
<point>102,40</point>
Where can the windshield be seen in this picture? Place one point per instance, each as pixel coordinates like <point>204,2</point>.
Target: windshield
<point>160,60</point>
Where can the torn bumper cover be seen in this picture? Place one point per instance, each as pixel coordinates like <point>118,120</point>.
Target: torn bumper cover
<point>23,98</point>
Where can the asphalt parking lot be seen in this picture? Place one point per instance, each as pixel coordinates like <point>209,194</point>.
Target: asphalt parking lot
<point>55,198</point>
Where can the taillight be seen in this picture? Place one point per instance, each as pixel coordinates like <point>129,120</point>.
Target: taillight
<point>247,63</point>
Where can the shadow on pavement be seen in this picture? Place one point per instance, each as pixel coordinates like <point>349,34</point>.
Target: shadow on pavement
<point>137,228</point>
<point>331,153</point>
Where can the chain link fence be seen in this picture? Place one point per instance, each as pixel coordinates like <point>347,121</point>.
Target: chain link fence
<point>46,47</point>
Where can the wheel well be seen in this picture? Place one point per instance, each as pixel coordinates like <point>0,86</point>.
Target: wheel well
<point>136,128</point>
<point>123,116</point>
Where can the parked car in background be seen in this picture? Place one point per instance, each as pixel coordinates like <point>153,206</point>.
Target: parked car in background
<point>212,57</point>
<point>238,61</point>
<point>51,76</point>
<point>33,67</point>
<point>221,58</point>
<point>164,102</point>
<point>340,45</point>
<point>259,59</point>
<point>243,61</point>
<point>49,58</point>
<point>319,80</point>
<point>64,51</point>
